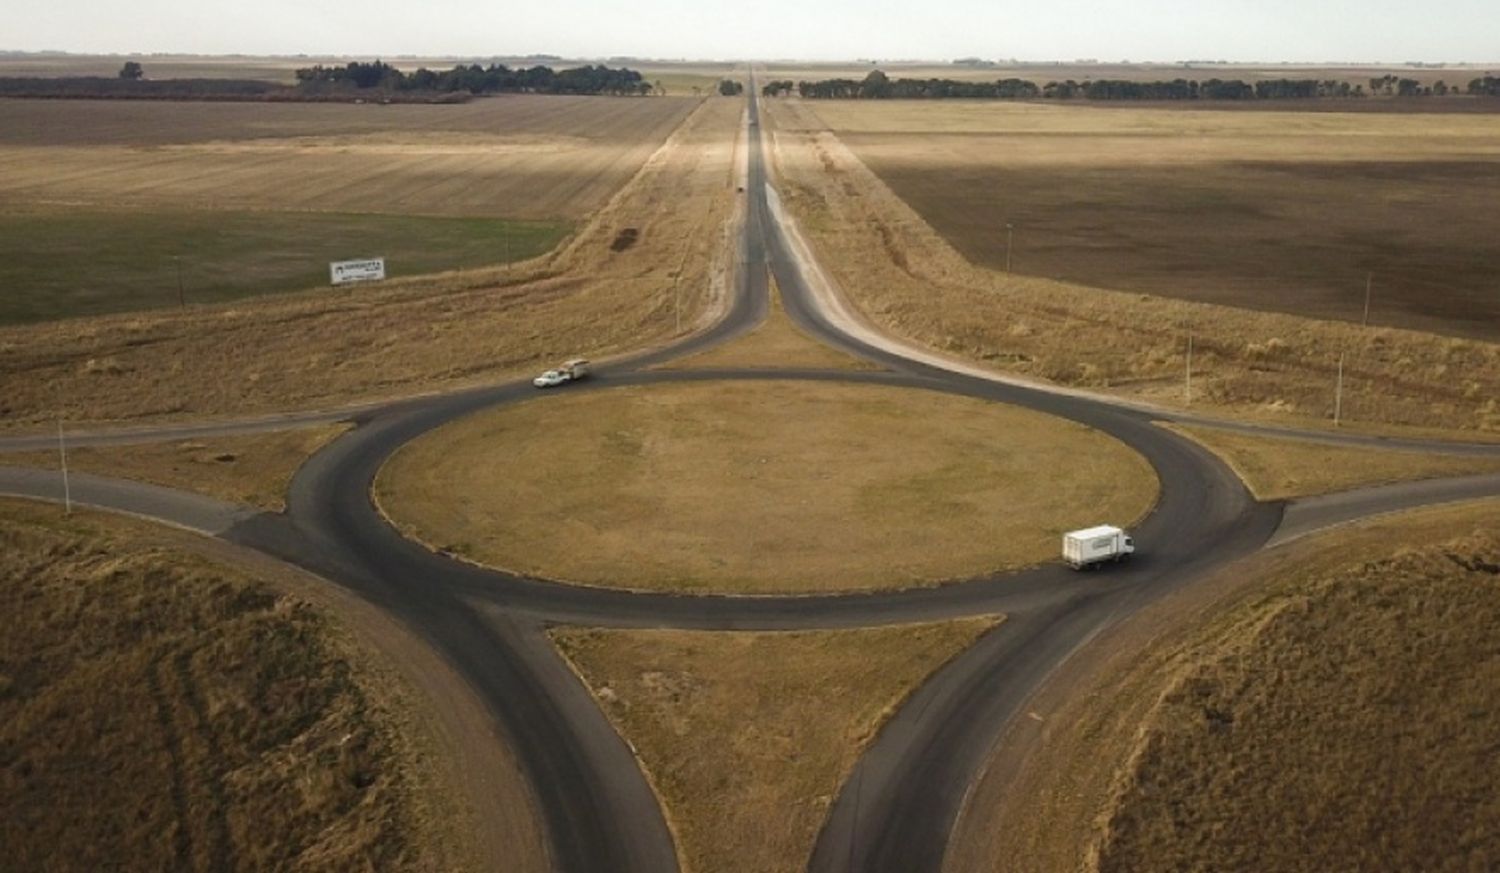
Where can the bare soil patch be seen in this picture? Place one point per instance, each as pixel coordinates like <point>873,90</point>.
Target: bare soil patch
<point>1277,469</point>
<point>759,487</point>
<point>337,347</point>
<point>252,469</point>
<point>907,279</point>
<point>1320,704</point>
<point>745,736</point>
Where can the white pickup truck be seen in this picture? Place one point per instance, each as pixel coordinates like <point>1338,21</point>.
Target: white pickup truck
<point>570,371</point>
<point>1095,545</point>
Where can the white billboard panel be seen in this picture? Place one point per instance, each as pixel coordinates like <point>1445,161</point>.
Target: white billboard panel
<point>344,272</point>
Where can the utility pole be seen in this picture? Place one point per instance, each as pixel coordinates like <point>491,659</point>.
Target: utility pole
<point>1187,389</point>
<point>181,297</point>
<point>1369,280</point>
<point>1010,232</point>
<point>62,451</point>
<point>1338,393</point>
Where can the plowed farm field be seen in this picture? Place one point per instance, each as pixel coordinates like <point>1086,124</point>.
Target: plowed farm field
<point>514,157</point>
<point>1274,210</point>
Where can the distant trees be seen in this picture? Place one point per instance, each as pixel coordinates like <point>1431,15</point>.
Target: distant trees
<point>877,86</point>
<point>777,88</point>
<point>731,87</point>
<point>1485,86</point>
<point>476,79</point>
<point>131,71</point>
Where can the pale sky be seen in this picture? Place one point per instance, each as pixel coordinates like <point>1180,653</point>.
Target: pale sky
<point>1110,30</point>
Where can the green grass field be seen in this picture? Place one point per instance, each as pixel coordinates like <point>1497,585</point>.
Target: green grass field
<point>56,263</point>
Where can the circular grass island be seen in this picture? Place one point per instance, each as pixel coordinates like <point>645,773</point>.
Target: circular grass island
<point>759,487</point>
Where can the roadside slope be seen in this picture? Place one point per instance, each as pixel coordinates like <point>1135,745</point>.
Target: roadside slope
<point>219,717</point>
<point>1174,681</point>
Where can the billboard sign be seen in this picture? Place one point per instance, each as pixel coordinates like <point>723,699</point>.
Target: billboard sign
<point>344,272</point>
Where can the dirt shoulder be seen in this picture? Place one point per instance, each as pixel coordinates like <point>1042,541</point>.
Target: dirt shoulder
<point>908,281</point>
<point>596,295</point>
<point>1057,776</point>
<point>235,711</point>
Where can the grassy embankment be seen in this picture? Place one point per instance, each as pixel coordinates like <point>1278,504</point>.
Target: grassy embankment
<point>163,711</point>
<point>908,278</point>
<point>321,348</point>
<point>747,736</point>
<point>1327,705</point>
<point>253,469</point>
<point>759,487</point>
<point>1277,468</point>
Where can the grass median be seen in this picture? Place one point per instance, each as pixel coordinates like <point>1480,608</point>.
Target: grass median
<point>747,736</point>
<point>1278,468</point>
<point>760,487</point>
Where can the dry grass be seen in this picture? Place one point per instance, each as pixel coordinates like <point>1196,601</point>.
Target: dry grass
<point>326,348</point>
<point>1279,469</point>
<point>776,343</point>
<point>159,711</point>
<point>759,487</point>
<point>746,736</point>
<point>252,469</point>
<point>1347,722</point>
<point>1327,705</point>
<point>520,156</point>
<point>907,279</point>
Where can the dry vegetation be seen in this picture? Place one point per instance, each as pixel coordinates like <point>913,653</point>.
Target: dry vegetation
<point>759,486</point>
<point>519,156</point>
<point>775,343</point>
<point>906,278</point>
<point>252,469</point>
<point>747,736</point>
<point>1278,469</point>
<point>159,711</point>
<point>326,348</point>
<point>1307,709</point>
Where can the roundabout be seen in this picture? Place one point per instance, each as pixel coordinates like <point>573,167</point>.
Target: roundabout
<point>738,466</point>
<point>756,487</point>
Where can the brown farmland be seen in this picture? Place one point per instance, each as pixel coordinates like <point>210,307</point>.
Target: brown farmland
<point>910,280</point>
<point>1278,211</point>
<point>516,156</point>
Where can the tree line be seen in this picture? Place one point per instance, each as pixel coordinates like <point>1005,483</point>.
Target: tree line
<point>878,86</point>
<point>476,79</point>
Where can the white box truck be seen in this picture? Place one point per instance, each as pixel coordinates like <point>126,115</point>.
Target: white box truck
<point>1095,545</point>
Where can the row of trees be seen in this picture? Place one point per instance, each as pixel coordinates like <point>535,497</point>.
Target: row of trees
<point>877,86</point>
<point>731,87</point>
<point>476,79</point>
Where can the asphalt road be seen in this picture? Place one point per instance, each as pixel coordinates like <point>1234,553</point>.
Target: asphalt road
<point>896,811</point>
